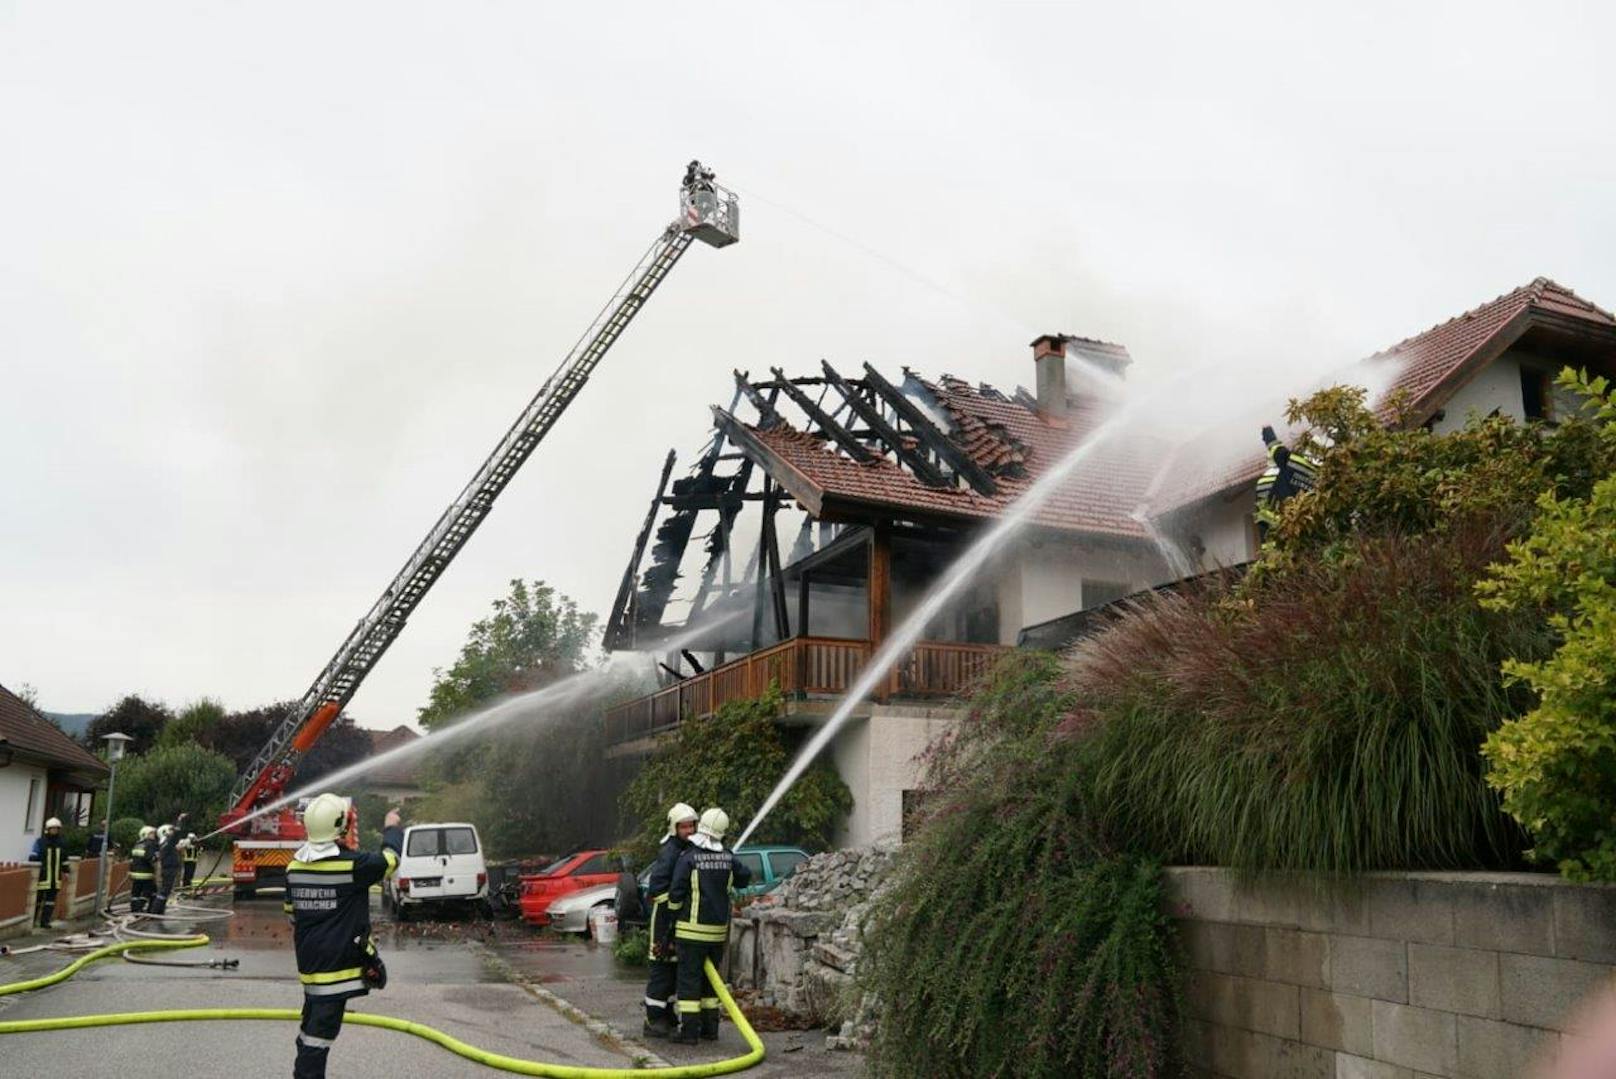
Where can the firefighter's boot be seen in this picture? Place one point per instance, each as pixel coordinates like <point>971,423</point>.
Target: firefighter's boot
<point>709,1024</point>
<point>659,1021</point>
<point>689,1030</point>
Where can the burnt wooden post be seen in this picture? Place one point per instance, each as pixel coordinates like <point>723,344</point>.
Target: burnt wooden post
<point>880,592</point>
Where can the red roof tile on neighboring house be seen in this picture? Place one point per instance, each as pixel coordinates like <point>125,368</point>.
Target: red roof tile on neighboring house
<point>1428,366</point>
<point>29,732</point>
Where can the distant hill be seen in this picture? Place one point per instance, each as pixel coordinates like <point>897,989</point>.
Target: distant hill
<point>74,723</point>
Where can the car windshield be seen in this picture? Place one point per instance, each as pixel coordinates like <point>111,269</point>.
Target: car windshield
<point>423,843</point>
<point>460,840</point>
<point>553,866</point>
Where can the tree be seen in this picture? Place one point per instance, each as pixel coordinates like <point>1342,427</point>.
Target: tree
<point>1556,765</point>
<point>140,719</point>
<point>732,759</point>
<point>166,781</point>
<point>535,636</point>
<point>240,735</point>
<point>194,723</point>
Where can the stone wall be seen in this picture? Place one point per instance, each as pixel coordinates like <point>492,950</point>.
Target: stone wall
<point>797,948</point>
<point>1396,976</point>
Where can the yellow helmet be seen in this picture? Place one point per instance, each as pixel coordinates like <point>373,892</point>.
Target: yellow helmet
<point>714,823</point>
<point>325,818</point>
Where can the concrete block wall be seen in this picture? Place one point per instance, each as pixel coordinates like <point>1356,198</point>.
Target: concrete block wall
<point>1393,976</point>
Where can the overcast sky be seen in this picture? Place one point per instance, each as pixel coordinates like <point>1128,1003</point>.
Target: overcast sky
<point>274,278</point>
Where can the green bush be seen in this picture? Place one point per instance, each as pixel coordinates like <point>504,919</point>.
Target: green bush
<point>125,830</point>
<point>1556,765</point>
<point>732,759</point>
<point>1329,719</point>
<point>632,948</point>
<point>1014,940</point>
<point>166,781</point>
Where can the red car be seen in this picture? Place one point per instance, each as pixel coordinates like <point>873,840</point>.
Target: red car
<point>585,869</point>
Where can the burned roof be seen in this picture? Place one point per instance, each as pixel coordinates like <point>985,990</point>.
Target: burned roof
<point>32,734</point>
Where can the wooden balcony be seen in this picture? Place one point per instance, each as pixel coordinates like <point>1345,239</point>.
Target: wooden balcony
<point>804,667</point>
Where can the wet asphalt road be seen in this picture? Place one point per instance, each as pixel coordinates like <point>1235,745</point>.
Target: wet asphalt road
<point>486,985</point>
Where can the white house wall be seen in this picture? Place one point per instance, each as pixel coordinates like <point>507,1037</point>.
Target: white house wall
<point>1048,580</point>
<point>1497,386</point>
<point>879,758</point>
<point>17,835</point>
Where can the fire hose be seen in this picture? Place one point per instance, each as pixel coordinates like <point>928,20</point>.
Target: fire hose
<point>454,1045</point>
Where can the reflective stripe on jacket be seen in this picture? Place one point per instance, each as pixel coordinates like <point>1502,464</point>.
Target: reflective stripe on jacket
<point>52,863</point>
<point>329,900</point>
<point>699,894</point>
<point>140,862</point>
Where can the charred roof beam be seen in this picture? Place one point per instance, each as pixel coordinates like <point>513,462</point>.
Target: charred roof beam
<point>918,463</point>
<point>767,415</point>
<point>827,423</point>
<point>930,435</point>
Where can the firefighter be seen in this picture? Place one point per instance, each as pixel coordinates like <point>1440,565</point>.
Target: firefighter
<point>661,988</point>
<point>1288,474</point>
<point>699,900</point>
<point>188,858</point>
<point>142,869</point>
<point>168,869</point>
<point>53,868</point>
<point>328,899</point>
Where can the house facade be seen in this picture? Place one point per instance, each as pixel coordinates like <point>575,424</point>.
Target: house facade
<point>43,774</point>
<point>825,505</point>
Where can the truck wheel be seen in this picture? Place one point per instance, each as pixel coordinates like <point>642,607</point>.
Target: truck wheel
<point>246,891</point>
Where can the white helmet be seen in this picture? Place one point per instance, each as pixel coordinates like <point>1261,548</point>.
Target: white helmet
<point>325,818</point>
<point>54,822</point>
<point>714,823</point>
<point>165,831</point>
<point>681,814</point>
<point>148,832</point>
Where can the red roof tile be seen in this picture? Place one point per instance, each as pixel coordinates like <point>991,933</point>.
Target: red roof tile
<point>1427,364</point>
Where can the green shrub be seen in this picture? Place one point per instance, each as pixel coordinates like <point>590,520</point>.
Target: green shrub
<point>125,830</point>
<point>632,948</point>
<point>1556,765</point>
<point>1013,941</point>
<point>1329,719</point>
<point>732,759</point>
<point>169,780</point>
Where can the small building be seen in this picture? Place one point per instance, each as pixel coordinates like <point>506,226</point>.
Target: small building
<point>43,774</point>
<point>398,781</point>
<point>831,509</point>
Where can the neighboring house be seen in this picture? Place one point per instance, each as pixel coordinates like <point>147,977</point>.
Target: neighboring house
<point>43,773</point>
<point>853,494</point>
<point>397,782</point>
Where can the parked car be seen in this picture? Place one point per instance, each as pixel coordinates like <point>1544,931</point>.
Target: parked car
<point>441,863</point>
<point>570,913</point>
<point>583,869</point>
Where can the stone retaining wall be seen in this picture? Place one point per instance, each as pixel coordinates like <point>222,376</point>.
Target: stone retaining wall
<point>1396,976</point>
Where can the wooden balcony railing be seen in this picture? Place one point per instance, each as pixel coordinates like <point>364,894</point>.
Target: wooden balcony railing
<point>803,667</point>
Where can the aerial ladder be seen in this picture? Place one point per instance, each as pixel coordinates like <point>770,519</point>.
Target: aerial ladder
<point>263,844</point>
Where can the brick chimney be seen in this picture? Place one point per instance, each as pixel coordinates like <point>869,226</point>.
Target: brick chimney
<point>1049,356</point>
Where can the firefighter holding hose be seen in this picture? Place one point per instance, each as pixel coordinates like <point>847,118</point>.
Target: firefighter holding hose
<point>328,898</point>
<point>699,899</point>
<point>661,988</point>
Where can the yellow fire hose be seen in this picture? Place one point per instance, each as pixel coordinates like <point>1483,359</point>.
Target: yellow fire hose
<point>753,1055</point>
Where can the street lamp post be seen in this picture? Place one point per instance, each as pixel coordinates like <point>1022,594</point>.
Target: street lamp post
<point>115,746</point>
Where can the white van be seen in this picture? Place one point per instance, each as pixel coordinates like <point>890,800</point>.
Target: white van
<point>442,863</point>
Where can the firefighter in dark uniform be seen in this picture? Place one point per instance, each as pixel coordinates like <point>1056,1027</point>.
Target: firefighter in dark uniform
<point>661,988</point>
<point>142,870</point>
<point>1288,474</point>
<point>328,900</point>
<point>52,861</point>
<point>188,859</point>
<point>700,902</point>
<point>168,869</point>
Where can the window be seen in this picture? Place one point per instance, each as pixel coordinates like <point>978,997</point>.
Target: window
<point>33,800</point>
<point>1099,593</point>
<point>600,863</point>
<point>459,841</point>
<point>785,862</point>
<point>423,843</point>
<point>1535,387</point>
<point>754,862</point>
